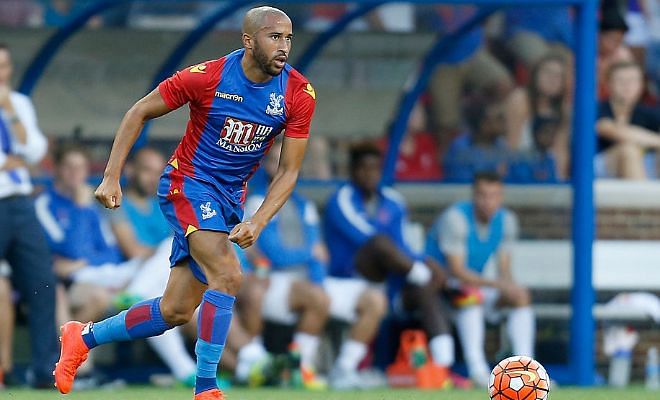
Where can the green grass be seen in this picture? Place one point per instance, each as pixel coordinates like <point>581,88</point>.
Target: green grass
<point>277,394</point>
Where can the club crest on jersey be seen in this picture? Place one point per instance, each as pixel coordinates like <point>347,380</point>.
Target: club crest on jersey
<point>240,136</point>
<point>275,108</point>
<point>207,211</point>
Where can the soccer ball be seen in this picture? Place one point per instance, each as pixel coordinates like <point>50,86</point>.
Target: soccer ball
<point>519,378</point>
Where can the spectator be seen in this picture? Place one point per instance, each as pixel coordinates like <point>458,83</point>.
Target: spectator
<point>546,96</point>
<point>468,64</point>
<point>143,233</point>
<point>538,165</point>
<point>534,32</point>
<point>611,48</point>
<point>470,238</point>
<point>626,129</point>
<point>652,14</point>
<point>6,322</point>
<point>58,12</point>
<point>483,148</point>
<point>364,223</point>
<point>89,261</point>
<point>19,13</point>
<point>418,158</point>
<point>22,243</point>
<point>293,241</point>
<point>291,244</point>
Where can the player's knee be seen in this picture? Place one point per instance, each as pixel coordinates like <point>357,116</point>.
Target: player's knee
<point>374,303</point>
<point>175,313</point>
<point>524,298</point>
<point>319,299</point>
<point>225,277</point>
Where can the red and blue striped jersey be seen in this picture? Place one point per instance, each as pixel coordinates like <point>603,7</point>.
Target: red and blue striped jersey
<point>233,121</point>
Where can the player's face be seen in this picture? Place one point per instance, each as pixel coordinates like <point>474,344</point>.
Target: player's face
<point>367,174</point>
<point>272,44</point>
<point>148,168</point>
<point>626,85</point>
<point>5,67</point>
<point>487,199</point>
<point>73,171</point>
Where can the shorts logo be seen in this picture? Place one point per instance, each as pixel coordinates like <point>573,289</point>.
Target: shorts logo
<point>207,211</point>
<point>241,136</point>
<point>275,108</point>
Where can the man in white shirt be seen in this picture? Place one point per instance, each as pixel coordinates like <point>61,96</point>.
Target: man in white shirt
<point>22,242</point>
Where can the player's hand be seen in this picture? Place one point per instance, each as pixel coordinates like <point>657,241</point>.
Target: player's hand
<point>245,234</point>
<point>109,193</point>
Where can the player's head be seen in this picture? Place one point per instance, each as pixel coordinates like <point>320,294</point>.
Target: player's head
<point>71,166</point>
<point>267,33</point>
<point>5,65</point>
<point>487,194</point>
<point>626,82</point>
<point>365,167</point>
<point>144,170</point>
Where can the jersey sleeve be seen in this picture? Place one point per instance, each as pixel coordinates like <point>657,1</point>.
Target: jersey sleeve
<point>185,86</point>
<point>302,108</point>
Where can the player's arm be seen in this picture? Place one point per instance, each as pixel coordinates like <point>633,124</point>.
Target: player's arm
<point>149,107</point>
<point>293,152</point>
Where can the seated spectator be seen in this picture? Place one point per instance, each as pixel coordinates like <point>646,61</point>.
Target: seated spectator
<point>533,32</point>
<point>538,165</point>
<point>290,244</point>
<point>546,96</point>
<point>468,64</point>
<point>482,148</point>
<point>611,49</point>
<point>652,15</point>
<point>88,260</point>
<point>626,130</point>
<point>471,238</point>
<point>364,225</point>
<point>418,158</point>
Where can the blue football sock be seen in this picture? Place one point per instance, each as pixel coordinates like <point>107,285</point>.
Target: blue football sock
<point>142,320</point>
<point>213,326</point>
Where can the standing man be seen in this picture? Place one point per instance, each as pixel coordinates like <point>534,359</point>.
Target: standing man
<point>238,104</point>
<point>22,242</point>
<point>469,237</point>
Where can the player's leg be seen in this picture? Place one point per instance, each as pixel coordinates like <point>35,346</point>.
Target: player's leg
<point>33,277</point>
<point>312,305</point>
<point>213,253</point>
<point>148,318</point>
<point>521,322</point>
<point>435,322</point>
<point>471,327</point>
<point>257,299</point>
<point>380,256</point>
<point>6,324</point>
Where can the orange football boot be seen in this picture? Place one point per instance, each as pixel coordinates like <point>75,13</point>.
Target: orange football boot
<point>73,353</point>
<point>213,394</point>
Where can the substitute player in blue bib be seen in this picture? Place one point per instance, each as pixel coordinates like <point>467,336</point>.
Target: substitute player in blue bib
<point>238,105</point>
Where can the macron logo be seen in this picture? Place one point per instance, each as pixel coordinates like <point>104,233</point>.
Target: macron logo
<point>229,96</point>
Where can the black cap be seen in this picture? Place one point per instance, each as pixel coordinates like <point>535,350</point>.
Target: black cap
<point>612,20</point>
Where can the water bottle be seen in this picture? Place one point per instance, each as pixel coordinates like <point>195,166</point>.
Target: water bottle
<point>652,381</point>
<point>620,365</point>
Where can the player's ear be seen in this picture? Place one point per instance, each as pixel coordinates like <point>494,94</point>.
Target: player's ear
<point>247,41</point>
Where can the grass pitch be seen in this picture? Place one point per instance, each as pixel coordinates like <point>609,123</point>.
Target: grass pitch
<point>145,393</point>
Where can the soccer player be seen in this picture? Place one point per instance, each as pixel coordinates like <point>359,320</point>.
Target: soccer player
<point>467,238</point>
<point>238,104</point>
